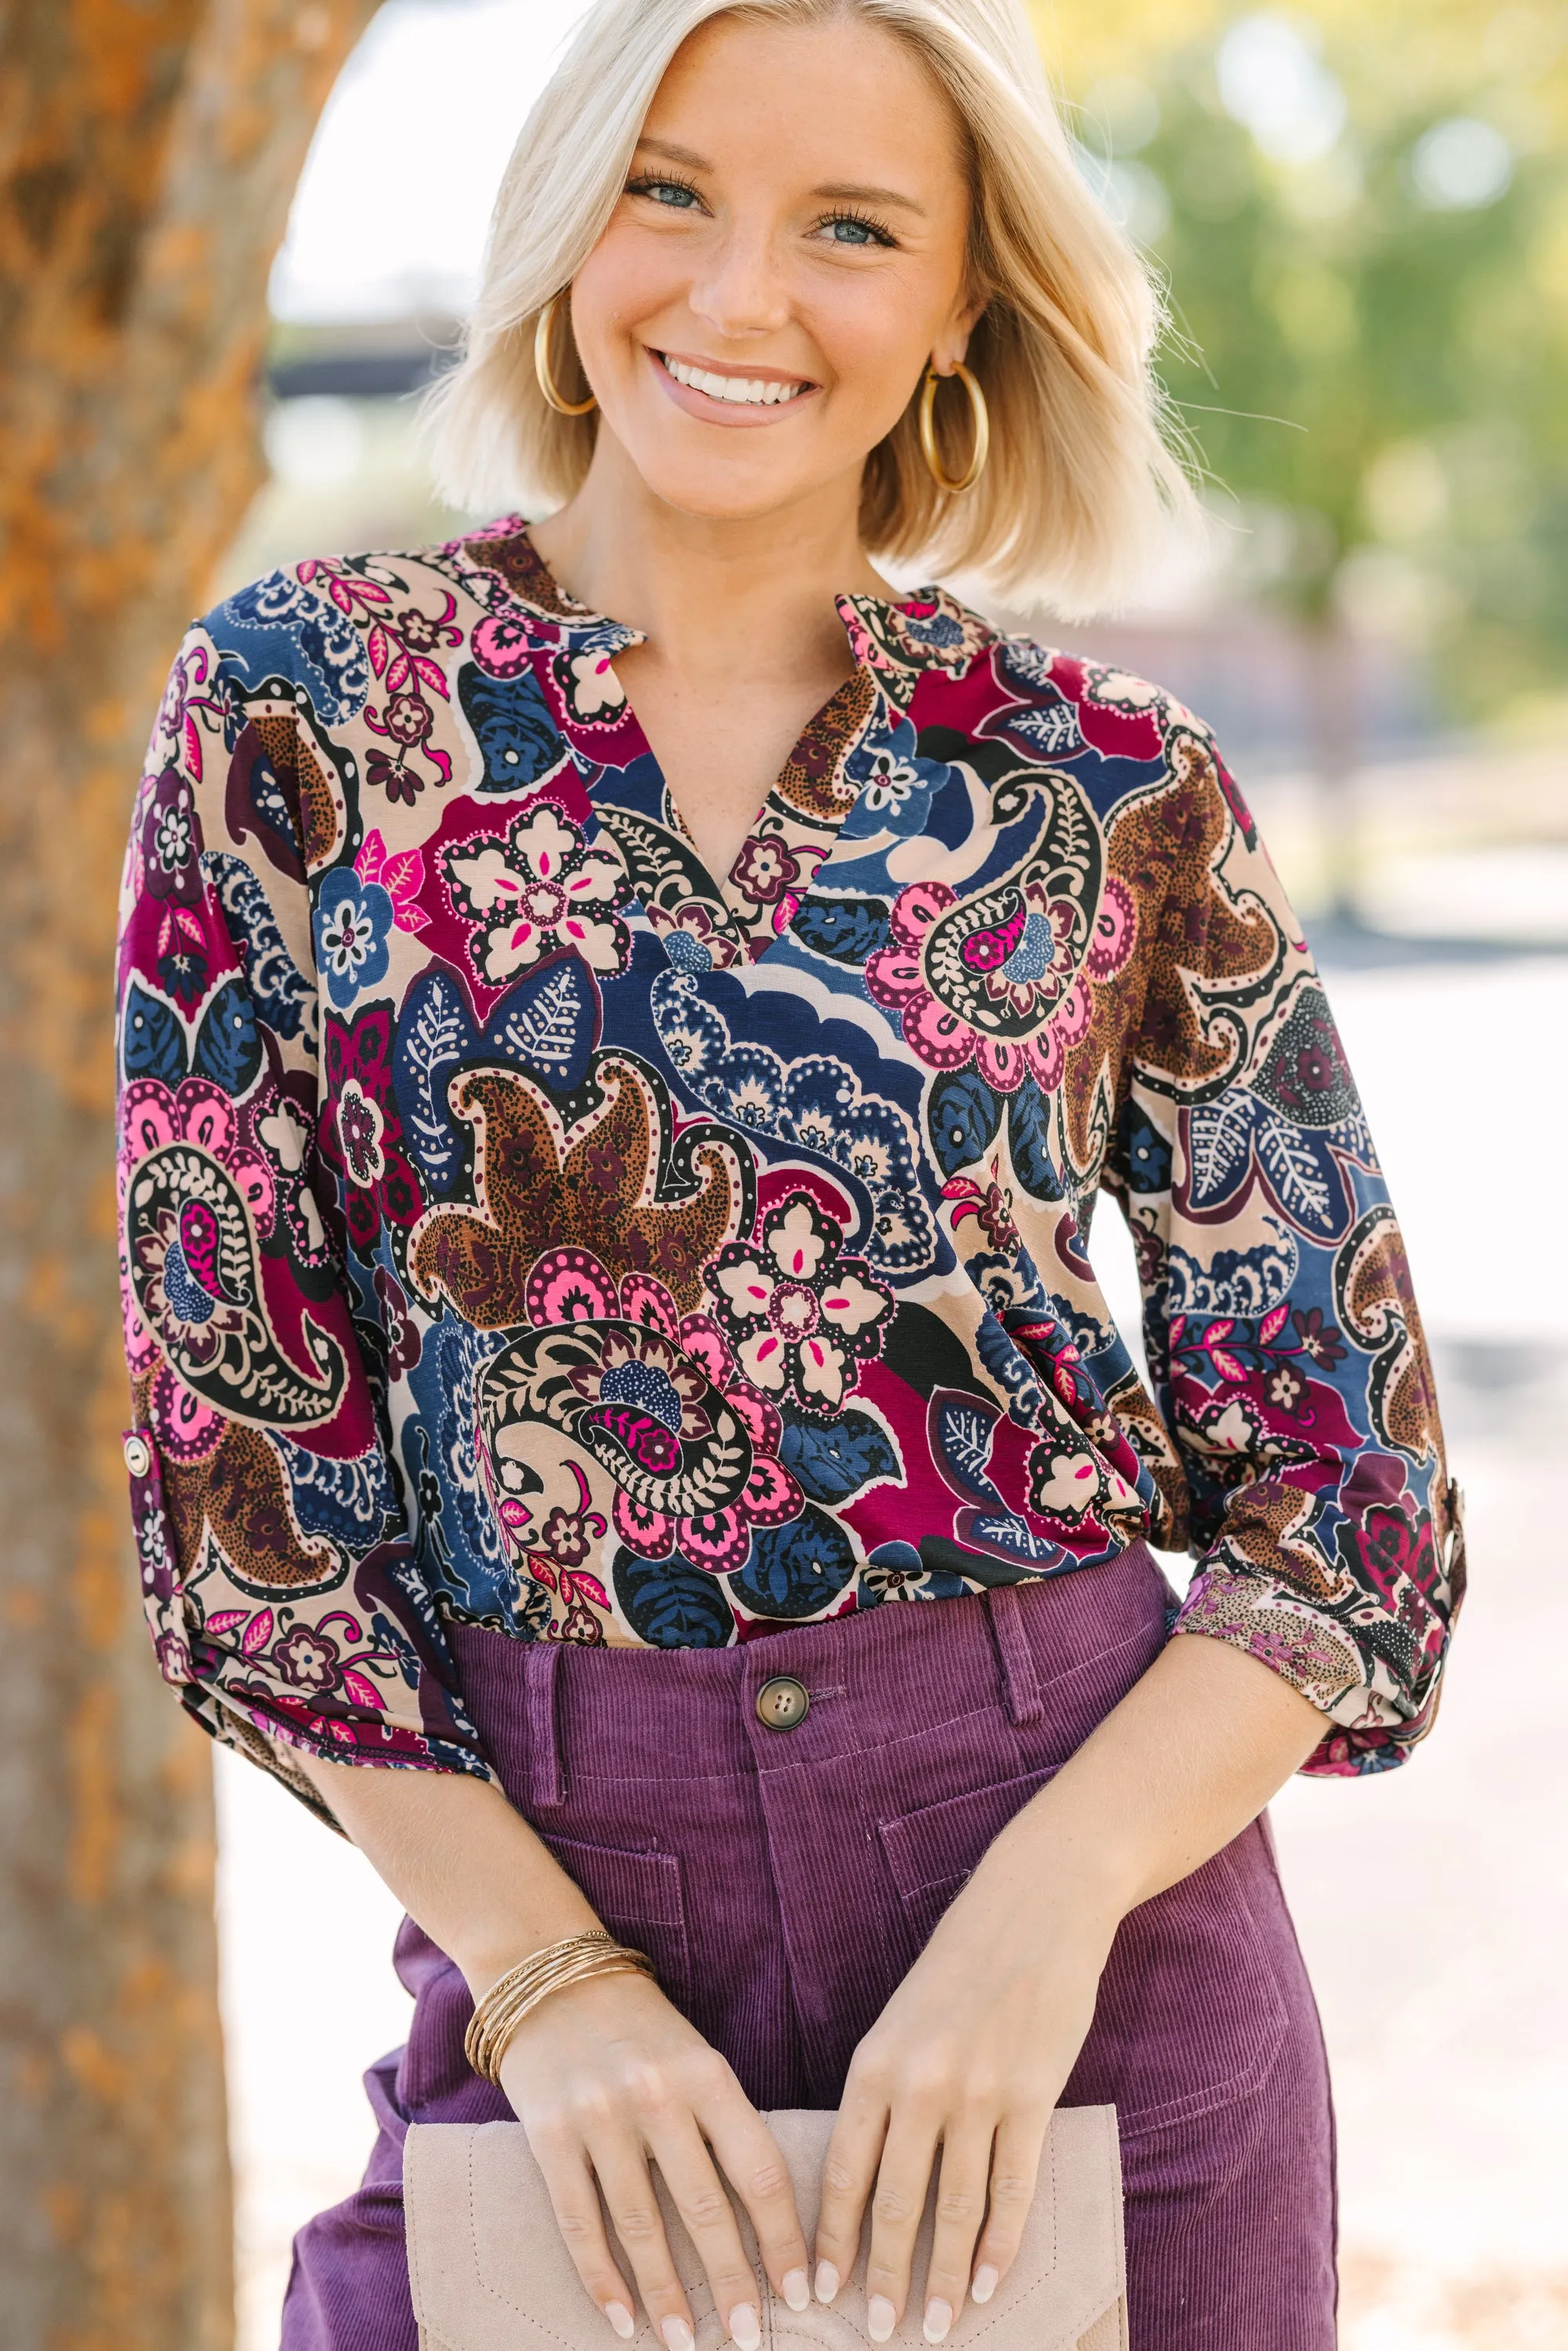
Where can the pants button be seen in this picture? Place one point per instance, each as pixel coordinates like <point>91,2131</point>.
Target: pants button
<point>781,1703</point>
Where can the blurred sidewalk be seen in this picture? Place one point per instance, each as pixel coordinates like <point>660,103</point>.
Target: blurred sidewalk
<point>1433,1902</point>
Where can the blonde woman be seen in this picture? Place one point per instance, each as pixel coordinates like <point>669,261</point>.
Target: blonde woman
<point>624,1021</point>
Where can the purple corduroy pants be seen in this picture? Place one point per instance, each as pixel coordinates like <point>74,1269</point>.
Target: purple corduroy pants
<point>783,1881</point>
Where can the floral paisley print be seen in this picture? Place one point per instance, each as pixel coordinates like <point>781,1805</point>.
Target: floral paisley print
<point>523,1228</point>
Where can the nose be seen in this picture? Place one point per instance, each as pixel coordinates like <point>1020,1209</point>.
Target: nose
<point>740,290</point>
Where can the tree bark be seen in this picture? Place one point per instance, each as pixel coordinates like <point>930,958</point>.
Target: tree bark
<point>148,154</point>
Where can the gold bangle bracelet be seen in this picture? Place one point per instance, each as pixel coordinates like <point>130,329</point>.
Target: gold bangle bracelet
<point>578,1959</point>
<point>489,2047</point>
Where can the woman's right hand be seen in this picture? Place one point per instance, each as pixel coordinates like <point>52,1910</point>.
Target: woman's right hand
<point>606,2076</point>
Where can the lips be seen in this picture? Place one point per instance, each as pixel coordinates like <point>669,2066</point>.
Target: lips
<point>734,391</point>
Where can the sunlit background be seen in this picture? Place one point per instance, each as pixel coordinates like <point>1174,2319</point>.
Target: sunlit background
<point>1359,210</point>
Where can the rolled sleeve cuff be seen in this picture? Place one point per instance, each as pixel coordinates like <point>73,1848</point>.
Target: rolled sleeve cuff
<point>1371,1729</point>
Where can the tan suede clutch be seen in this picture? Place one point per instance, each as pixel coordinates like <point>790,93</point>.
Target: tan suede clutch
<point>489,2272</point>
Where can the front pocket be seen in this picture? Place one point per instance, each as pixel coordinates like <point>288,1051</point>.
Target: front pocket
<point>1189,2015</point>
<point>932,1852</point>
<point>640,1898</point>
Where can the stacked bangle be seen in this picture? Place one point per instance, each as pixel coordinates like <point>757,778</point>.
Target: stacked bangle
<point>520,1990</point>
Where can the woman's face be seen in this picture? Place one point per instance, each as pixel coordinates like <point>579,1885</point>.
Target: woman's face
<point>789,254</point>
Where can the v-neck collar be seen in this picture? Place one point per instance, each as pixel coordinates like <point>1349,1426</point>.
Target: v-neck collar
<point>894,643</point>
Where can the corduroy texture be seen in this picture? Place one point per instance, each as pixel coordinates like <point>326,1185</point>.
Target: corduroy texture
<point>784,1881</point>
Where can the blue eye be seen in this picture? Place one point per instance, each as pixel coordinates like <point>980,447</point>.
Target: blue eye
<point>676,196</point>
<point>848,228</point>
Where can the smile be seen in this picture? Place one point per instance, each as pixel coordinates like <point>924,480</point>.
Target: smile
<point>739,390</point>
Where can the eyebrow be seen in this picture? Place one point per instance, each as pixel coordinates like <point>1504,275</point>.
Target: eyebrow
<point>836,192</point>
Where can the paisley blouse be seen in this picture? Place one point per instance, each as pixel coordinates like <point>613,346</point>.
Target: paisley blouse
<point>523,1228</point>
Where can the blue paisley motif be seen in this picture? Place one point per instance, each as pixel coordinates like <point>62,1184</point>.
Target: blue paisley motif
<point>816,1103</point>
<point>283,996</point>
<point>278,624</point>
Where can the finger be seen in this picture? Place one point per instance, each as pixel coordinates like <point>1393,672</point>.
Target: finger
<point>1015,2168</point>
<point>748,2155</point>
<point>897,2206</point>
<point>677,2146</point>
<point>574,2200</point>
<point>622,2172</point>
<point>848,2175</point>
<point>960,2216</point>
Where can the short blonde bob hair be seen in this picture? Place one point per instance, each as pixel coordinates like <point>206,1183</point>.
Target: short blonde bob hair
<point>1082,480</point>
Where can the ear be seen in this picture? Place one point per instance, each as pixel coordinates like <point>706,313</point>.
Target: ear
<point>952,344</point>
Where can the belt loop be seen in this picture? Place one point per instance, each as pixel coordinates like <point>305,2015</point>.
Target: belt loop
<point>1020,1683</point>
<point>546,1768</point>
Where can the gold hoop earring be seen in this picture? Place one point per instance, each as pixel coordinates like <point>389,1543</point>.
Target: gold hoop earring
<point>979,417</point>
<point>542,366</point>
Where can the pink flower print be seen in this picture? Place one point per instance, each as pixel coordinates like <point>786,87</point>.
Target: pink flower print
<point>402,876</point>
<point>198,1112</point>
<point>543,893</point>
<point>649,1391</point>
<point>503,644</point>
<point>1015,962</point>
<point>797,1314</point>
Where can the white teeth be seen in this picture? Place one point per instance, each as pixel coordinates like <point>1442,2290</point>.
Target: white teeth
<point>748,391</point>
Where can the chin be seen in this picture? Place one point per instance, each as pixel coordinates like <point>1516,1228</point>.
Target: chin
<point>717,492</point>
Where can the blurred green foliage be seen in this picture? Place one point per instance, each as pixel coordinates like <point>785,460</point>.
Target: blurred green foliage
<point>1360,209</point>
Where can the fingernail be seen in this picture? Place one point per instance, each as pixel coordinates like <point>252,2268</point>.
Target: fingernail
<point>983,2284</point>
<point>678,2334</point>
<point>744,2329</point>
<point>827,2281</point>
<point>621,2320</point>
<point>881,2318</point>
<point>797,2289</point>
<point>939,2319</point>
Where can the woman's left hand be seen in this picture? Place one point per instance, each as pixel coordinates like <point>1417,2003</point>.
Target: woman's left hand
<point>965,2065</point>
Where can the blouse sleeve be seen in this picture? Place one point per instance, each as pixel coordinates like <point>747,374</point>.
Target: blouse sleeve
<point>279,1580</point>
<point>1284,1344</point>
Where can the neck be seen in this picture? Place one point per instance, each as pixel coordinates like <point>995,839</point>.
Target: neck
<point>697,585</point>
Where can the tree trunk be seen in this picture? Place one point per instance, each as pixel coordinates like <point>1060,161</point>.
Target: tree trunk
<point>147,154</point>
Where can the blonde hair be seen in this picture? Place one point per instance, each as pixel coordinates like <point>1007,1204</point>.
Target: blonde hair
<point>1082,479</point>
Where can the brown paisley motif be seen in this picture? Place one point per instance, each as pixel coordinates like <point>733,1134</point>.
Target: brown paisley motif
<point>813,783</point>
<point>1168,849</point>
<point>1089,1080</point>
<point>323,810</point>
<point>239,1496</point>
<point>537,1186</point>
<point>308,785</point>
<point>1377,1308</point>
<point>514,557</point>
<point>1260,1523</point>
